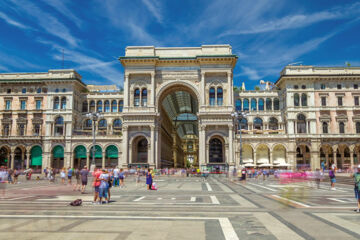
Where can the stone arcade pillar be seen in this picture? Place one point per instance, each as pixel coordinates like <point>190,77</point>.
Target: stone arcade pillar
<point>152,146</point>
<point>231,146</point>
<point>125,146</point>
<point>27,160</point>
<point>202,150</point>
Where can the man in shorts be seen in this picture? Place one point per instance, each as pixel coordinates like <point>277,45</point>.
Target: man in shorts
<point>357,187</point>
<point>96,174</point>
<point>70,174</point>
<point>84,173</point>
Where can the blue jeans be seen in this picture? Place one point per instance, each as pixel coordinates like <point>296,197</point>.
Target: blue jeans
<point>103,192</point>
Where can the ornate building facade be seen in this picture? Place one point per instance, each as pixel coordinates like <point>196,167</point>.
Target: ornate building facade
<point>176,111</point>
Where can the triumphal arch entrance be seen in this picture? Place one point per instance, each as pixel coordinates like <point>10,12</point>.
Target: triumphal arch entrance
<point>177,106</point>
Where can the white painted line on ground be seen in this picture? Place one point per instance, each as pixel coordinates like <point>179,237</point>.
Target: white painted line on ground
<point>228,230</point>
<point>289,200</point>
<point>159,198</point>
<point>280,230</point>
<point>271,189</point>
<point>208,187</point>
<point>139,199</point>
<point>336,219</point>
<point>214,200</point>
<point>225,224</point>
<point>20,197</point>
<point>173,198</point>
<point>337,190</point>
<point>224,187</point>
<point>337,200</point>
<point>193,199</point>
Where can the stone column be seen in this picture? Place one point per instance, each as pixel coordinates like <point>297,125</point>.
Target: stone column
<point>125,146</point>
<point>335,157</point>
<point>126,91</point>
<point>27,160</point>
<point>202,150</point>
<point>153,90</point>
<point>230,89</point>
<point>271,161</point>
<point>231,151</point>
<point>88,160</point>
<point>130,151</point>
<point>203,89</point>
<point>351,158</point>
<point>12,159</point>
<point>103,160</point>
<point>152,144</point>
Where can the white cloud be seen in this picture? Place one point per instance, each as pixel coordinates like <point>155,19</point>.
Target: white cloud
<point>61,7</point>
<point>154,7</point>
<point>48,22</point>
<point>12,21</point>
<point>251,73</point>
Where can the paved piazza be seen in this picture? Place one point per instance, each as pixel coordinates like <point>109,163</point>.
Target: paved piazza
<point>182,208</point>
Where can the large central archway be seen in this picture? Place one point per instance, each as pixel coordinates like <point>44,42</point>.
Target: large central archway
<point>178,106</point>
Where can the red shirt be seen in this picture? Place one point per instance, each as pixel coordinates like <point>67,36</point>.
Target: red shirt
<point>96,178</point>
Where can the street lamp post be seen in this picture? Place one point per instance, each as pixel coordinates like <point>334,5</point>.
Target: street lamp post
<point>239,115</point>
<point>94,116</point>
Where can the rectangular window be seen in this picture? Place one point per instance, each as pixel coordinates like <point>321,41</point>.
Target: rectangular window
<point>339,86</point>
<point>38,104</point>
<point>323,101</point>
<point>21,129</point>
<point>340,101</point>
<point>6,130</point>
<point>356,86</point>
<point>37,129</point>
<point>23,105</point>
<point>322,86</point>
<point>8,105</point>
<point>356,101</point>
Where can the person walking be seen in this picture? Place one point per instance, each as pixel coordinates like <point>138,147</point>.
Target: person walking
<point>84,173</point>
<point>318,177</point>
<point>104,186</point>
<point>137,175</point>
<point>96,184</point>
<point>121,178</point>
<point>63,175</point>
<point>332,178</point>
<point>3,180</point>
<point>77,184</point>
<point>10,175</point>
<point>116,175</point>
<point>70,174</point>
<point>357,187</point>
<point>148,179</point>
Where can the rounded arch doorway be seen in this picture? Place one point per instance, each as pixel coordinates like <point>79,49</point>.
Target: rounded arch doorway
<point>140,151</point>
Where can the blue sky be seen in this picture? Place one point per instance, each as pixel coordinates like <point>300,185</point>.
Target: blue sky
<point>265,34</point>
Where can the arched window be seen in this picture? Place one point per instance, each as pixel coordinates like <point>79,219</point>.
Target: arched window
<point>341,127</point>
<point>88,123</point>
<point>268,104</point>
<point>63,103</point>
<point>38,90</point>
<point>107,106</point>
<point>92,106</point>
<point>99,106</point>
<point>325,127</point>
<point>273,124</point>
<point>117,123</point>
<point>296,99</point>
<point>144,97</point>
<point>121,105</point>
<point>258,123</point>
<point>243,124</point>
<point>246,104</point>
<point>23,90</point>
<point>238,105</point>
<point>56,103</point>
<point>102,124</point>
<point>253,104</point>
<point>212,96</point>
<point>301,123</point>
<point>219,96</point>
<point>190,146</point>
<point>261,104</point>
<point>114,106</point>
<point>276,104</point>
<point>304,100</point>
<point>85,106</point>
<point>59,126</point>
<point>358,127</point>
<point>136,97</point>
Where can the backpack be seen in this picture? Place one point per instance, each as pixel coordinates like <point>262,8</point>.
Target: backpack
<point>76,202</point>
<point>331,174</point>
